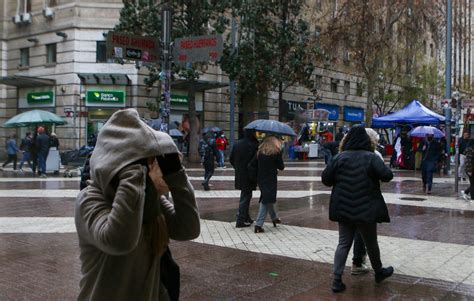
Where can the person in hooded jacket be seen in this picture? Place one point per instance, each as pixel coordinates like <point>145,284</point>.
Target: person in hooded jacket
<point>209,153</point>
<point>356,201</point>
<point>124,221</point>
<point>430,153</point>
<point>269,161</point>
<point>241,154</point>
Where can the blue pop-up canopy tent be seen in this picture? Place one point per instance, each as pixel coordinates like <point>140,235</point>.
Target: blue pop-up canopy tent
<point>413,113</point>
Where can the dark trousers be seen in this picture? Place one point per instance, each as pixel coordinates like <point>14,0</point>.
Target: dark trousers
<point>208,172</point>
<point>427,169</point>
<point>11,158</point>
<point>42,157</point>
<point>347,231</point>
<point>244,204</point>
<point>26,158</point>
<point>359,250</point>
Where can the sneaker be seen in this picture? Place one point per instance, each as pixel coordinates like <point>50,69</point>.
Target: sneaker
<point>464,195</point>
<point>242,225</point>
<point>359,270</point>
<point>224,167</point>
<point>43,176</point>
<point>338,286</point>
<point>383,274</point>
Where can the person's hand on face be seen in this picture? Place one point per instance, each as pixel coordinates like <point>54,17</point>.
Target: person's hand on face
<point>157,176</point>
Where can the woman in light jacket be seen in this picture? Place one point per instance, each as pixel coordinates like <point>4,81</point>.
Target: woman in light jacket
<point>356,201</point>
<point>269,161</point>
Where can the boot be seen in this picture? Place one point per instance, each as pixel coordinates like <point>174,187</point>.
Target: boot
<point>259,229</point>
<point>383,274</point>
<point>338,286</point>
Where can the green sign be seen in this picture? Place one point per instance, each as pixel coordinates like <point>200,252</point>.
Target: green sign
<point>106,97</point>
<point>40,97</point>
<point>181,100</point>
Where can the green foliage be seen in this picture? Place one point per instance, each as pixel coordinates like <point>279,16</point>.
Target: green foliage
<point>273,47</point>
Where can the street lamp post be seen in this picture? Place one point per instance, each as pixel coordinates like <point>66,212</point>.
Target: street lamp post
<point>447,111</point>
<point>457,118</point>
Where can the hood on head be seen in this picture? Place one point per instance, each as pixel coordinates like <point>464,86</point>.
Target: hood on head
<point>124,139</point>
<point>356,139</point>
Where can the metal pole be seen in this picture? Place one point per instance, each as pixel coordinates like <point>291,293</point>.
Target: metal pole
<point>74,125</point>
<point>447,111</point>
<point>456,143</point>
<point>232,84</point>
<point>165,75</point>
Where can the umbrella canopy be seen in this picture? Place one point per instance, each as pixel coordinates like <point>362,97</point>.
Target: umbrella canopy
<point>271,127</point>
<point>413,113</point>
<point>214,129</point>
<point>422,131</point>
<point>176,133</point>
<point>34,117</point>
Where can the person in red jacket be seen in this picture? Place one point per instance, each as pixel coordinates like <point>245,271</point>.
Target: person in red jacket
<point>221,142</point>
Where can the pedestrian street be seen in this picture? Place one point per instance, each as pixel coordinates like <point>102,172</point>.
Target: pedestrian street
<point>429,242</point>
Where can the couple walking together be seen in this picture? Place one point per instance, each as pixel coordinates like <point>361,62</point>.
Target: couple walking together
<point>257,164</point>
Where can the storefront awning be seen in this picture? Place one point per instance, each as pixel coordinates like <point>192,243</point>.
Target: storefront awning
<point>201,85</point>
<point>104,79</point>
<point>26,81</point>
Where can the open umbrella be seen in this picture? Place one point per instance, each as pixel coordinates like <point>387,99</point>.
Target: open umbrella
<point>214,129</point>
<point>175,133</point>
<point>270,127</point>
<point>422,131</point>
<point>34,117</point>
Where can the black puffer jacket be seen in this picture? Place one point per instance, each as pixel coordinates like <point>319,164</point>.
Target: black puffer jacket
<point>355,175</point>
<point>241,155</point>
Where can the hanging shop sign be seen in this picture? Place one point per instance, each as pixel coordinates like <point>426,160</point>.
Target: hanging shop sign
<point>333,110</point>
<point>107,98</point>
<point>353,114</point>
<point>132,47</point>
<point>180,100</point>
<point>34,98</point>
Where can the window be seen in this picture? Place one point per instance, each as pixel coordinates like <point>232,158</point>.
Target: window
<point>431,50</point>
<point>334,85</point>
<point>24,57</point>
<point>51,53</point>
<point>101,55</point>
<point>347,87</point>
<point>360,89</point>
<point>318,81</point>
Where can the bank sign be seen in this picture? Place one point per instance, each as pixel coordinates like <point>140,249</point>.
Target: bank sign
<point>107,98</point>
<point>34,98</point>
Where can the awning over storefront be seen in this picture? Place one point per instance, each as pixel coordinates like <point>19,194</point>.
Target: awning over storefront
<point>26,81</point>
<point>104,79</point>
<point>201,85</point>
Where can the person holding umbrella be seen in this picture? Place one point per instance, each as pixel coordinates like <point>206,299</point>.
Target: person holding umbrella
<point>430,153</point>
<point>208,154</point>
<point>269,161</point>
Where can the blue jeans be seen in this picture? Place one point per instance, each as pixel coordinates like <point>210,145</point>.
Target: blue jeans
<point>26,158</point>
<point>42,162</point>
<point>427,170</point>
<point>262,213</point>
<point>221,158</point>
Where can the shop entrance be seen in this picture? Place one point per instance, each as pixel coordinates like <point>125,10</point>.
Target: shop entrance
<point>97,119</point>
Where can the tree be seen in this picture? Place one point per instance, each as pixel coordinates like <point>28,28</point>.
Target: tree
<point>380,35</point>
<point>190,18</point>
<point>274,51</point>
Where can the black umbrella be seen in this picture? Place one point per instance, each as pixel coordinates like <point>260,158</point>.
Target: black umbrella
<point>270,127</point>
<point>214,129</point>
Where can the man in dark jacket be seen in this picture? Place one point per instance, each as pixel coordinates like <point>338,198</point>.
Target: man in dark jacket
<point>430,154</point>
<point>209,154</point>
<point>42,150</point>
<point>25,147</point>
<point>241,155</point>
<point>356,201</point>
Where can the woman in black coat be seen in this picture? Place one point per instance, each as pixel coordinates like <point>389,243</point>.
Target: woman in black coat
<point>269,160</point>
<point>356,201</point>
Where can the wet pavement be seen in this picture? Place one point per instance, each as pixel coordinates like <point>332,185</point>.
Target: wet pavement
<point>430,242</point>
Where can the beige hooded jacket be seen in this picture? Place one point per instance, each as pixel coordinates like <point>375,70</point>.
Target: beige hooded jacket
<point>117,262</point>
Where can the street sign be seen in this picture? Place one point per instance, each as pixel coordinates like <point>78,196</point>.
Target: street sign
<point>198,49</point>
<point>467,103</point>
<point>132,47</point>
